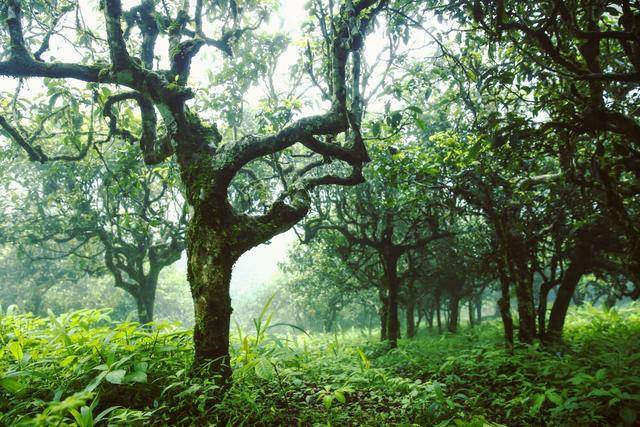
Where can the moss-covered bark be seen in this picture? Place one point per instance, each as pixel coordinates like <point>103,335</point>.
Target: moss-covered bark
<point>214,244</point>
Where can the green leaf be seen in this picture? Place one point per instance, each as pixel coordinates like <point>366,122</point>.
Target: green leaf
<point>628,415</point>
<point>117,376</point>
<point>554,397</point>
<point>327,401</point>
<point>136,377</point>
<point>15,348</point>
<point>96,381</point>
<point>289,325</point>
<point>264,369</point>
<point>12,385</point>
<point>376,128</point>
<point>67,361</point>
<point>537,404</point>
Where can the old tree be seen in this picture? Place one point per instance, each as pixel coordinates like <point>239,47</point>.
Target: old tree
<point>144,54</point>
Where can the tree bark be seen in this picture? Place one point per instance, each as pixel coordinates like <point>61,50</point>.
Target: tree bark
<point>146,298</point>
<point>384,315</point>
<point>438,313</point>
<point>478,301</point>
<point>410,312</point>
<point>210,262</point>
<point>447,313</point>
<point>526,312</point>
<point>504,305</point>
<point>470,308</point>
<point>429,315</point>
<point>542,308</point>
<point>578,266</point>
<point>610,301</point>
<point>411,321</point>
<point>454,314</point>
<point>35,301</point>
<point>393,286</point>
<point>330,319</point>
<point>420,317</point>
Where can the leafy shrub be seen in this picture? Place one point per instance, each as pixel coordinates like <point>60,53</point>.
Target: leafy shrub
<point>82,368</point>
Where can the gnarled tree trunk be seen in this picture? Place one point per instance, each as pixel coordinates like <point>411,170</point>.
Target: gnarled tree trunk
<point>521,274</point>
<point>545,288</point>
<point>526,311</point>
<point>210,263</point>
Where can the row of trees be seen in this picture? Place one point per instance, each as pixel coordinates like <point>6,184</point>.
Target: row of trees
<point>514,167</point>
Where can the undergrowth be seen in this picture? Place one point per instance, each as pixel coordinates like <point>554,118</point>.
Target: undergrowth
<point>83,369</point>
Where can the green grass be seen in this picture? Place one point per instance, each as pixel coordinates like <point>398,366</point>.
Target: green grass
<point>83,369</point>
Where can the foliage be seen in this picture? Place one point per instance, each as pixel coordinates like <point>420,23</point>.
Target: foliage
<point>84,369</point>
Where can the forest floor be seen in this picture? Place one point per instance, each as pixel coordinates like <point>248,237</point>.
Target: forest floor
<point>83,369</point>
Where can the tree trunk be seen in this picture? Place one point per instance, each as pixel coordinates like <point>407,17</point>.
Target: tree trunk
<point>393,320</point>
<point>470,307</point>
<point>578,266</point>
<point>478,302</point>
<point>384,315</point>
<point>447,313</point>
<point>411,320</point>
<point>393,287</point>
<point>504,305</point>
<point>429,315</point>
<point>410,312</point>
<point>610,301</point>
<point>210,262</point>
<point>526,311</point>
<point>454,314</point>
<point>542,308</point>
<point>146,299</point>
<point>438,313</point>
<point>330,319</point>
<point>35,301</point>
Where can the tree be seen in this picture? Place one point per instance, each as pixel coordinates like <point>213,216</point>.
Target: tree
<point>27,281</point>
<point>104,208</point>
<point>385,218</point>
<point>579,59</point>
<point>217,235</point>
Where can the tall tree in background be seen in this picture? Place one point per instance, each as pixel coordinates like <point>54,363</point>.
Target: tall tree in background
<point>389,220</point>
<point>111,214</point>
